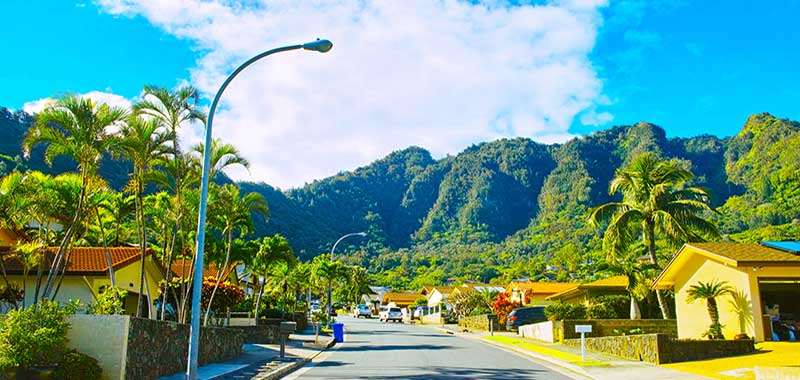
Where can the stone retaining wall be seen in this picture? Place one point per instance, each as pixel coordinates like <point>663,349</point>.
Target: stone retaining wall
<point>157,348</point>
<point>607,327</point>
<point>661,348</point>
<point>261,334</point>
<point>480,322</point>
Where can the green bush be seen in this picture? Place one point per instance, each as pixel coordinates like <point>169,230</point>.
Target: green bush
<point>618,306</point>
<point>76,365</point>
<point>36,335</point>
<point>600,311</point>
<point>561,310</point>
<point>109,302</point>
<point>480,311</point>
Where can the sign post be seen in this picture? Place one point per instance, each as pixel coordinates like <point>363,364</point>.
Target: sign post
<point>583,329</point>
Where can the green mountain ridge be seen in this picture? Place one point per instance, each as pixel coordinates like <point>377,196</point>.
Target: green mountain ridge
<point>523,197</point>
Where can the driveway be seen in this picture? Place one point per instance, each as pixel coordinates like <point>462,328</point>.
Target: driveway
<point>376,350</point>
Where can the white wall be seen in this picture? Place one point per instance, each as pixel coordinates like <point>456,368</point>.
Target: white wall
<point>103,337</point>
<point>541,331</point>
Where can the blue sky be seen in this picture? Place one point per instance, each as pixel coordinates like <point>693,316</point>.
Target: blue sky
<point>549,70</point>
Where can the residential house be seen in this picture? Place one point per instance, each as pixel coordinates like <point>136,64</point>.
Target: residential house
<point>439,295</point>
<point>183,268</point>
<point>374,299</point>
<point>535,292</point>
<point>582,293</point>
<point>766,274</point>
<point>87,274</point>
<point>401,300</point>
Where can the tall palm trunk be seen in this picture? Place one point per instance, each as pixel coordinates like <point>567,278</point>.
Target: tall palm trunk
<point>651,251</point>
<point>142,247</point>
<point>63,253</point>
<point>220,273</point>
<point>261,292</point>
<point>713,313</point>
<point>168,277</point>
<point>111,277</point>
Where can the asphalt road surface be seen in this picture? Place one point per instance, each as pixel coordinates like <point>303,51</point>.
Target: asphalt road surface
<point>377,350</point>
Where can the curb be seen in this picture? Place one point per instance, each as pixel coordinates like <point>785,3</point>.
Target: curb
<point>548,359</point>
<point>291,367</point>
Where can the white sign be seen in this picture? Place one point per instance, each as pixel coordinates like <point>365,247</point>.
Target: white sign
<point>583,328</point>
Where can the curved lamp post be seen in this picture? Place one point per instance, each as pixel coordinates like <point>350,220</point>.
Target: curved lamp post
<point>321,46</point>
<point>330,287</point>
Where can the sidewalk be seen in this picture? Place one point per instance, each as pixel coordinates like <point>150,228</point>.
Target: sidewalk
<point>597,366</point>
<point>262,361</point>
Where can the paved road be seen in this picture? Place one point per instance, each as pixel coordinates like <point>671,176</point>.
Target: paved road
<point>376,350</point>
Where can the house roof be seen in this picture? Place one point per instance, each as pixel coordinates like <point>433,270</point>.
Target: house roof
<point>183,268</point>
<point>444,289</point>
<point>611,283</point>
<point>730,254</point>
<point>538,287</point>
<point>85,260</point>
<point>400,297</point>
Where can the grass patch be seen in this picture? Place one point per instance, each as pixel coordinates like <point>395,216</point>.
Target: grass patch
<point>539,349</point>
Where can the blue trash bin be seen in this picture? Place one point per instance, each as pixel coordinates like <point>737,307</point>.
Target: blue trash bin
<point>338,331</point>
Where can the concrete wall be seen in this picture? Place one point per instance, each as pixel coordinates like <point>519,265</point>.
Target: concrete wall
<point>544,331</point>
<point>103,337</point>
<point>433,318</point>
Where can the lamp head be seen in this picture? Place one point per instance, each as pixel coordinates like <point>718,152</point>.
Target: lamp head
<point>362,234</point>
<point>322,46</point>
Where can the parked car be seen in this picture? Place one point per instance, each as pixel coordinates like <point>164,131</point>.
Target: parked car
<point>525,316</point>
<point>362,310</point>
<point>391,314</point>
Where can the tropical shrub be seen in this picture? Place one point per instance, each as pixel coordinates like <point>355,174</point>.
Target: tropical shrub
<point>599,311</point>
<point>562,310</point>
<point>228,295</point>
<point>76,365</point>
<point>34,335</point>
<point>502,307</point>
<point>480,311</point>
<point>109,302</point>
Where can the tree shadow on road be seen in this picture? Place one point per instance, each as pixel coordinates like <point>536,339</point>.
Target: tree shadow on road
<point>394,347</point>
<point>460,373</point>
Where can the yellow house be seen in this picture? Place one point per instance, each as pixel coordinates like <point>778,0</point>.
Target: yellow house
<point>535,292</point>
<point>439,294</point>
<point>582,293</point>
<point>87,274</point>
<point>394,299</point>
<point>768,274</point>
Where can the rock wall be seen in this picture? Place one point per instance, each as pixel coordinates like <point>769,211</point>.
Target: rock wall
<point>661,349</point>
<point>480,322</point>
<point>614,327</point>
<point>261,334</point>
<point>157,348</point>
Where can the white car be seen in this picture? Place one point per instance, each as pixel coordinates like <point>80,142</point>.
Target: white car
<point>362,310</point>
<point>391,314</point>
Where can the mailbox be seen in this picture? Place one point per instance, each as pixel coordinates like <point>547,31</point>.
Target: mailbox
<point>288,327</point>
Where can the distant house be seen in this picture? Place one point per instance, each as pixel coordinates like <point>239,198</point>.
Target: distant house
<point>439,295</point>
<point>394,299</point>
<point>375,297</point>
<point>767,275</point>
<point>582,293</point>
<point>87,274</point>
<point>535,292</point>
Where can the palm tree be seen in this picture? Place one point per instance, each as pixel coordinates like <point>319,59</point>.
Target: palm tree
<point>655,199</point>
<point>232,212</point>
<point>79,128</point>
<point>272,249</point>
<point>172,109</point>
<point>119,207</point>
<point>710,291</point>
<point>327,272</point>
<point>281,279</point>
<point>636,272</point>
<point>221,157</point>
<point>143,144</point>
<point>356,282</point>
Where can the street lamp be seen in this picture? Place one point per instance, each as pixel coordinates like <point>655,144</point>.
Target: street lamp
<point>330,287</point>
<point>321,46</point>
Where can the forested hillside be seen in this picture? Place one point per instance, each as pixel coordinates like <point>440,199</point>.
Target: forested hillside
<point>505,208</point>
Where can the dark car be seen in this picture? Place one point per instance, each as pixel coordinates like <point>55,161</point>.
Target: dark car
<point>525,316</point>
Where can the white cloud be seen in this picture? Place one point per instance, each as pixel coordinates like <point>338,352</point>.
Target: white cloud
<point>37,106</point>
<point>437,74</point>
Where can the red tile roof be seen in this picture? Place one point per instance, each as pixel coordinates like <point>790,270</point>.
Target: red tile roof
<point>183,268</point>
<point>85,259</point>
